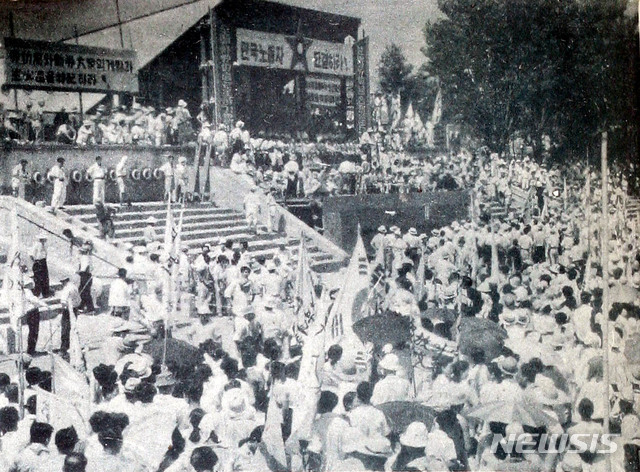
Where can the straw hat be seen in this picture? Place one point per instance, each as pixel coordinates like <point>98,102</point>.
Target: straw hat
<point>415,435</point>
<point>571,463</point>
<point>390,362</point>
<point>508,366</point>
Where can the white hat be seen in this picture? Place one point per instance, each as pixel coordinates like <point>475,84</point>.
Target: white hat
<point>415,435</point>
<point>390,362</point>
<point>138,364</point>
<point>151,220</point>
<point>182,103</point>
<point>509,366</point>
<point>413,231</point>
<point>43,236</point>
<point>571,463</point>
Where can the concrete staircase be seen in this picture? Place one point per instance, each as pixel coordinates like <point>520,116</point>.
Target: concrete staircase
<point>633,208</point>
<point>202,223</point>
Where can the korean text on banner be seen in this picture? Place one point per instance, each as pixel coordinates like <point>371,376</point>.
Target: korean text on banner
<point>41,65</point>
<point>277,51</point>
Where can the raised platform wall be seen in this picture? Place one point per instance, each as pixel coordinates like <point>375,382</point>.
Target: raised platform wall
<point>423,211</point>
<point>42,157</point>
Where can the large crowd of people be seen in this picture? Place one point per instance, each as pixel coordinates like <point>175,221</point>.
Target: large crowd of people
<point>531,276</point>
<point>133,125</point>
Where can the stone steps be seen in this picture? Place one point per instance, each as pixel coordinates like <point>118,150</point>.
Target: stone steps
<point>202,223</point>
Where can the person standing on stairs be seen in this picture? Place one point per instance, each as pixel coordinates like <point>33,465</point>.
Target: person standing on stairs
<point>32,307</point>
<point>59,177</point>
<point>272,212</point>
<point>20,179</point>
<point>252,209</point>
<point>180,174</point>
<point>70,299</point>
<point>86,279</point>
<point>40,268</point>
<point>121,175</point>
<point>98,174</point>
<point>168,170</point>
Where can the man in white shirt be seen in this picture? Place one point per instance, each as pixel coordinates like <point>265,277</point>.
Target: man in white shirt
<point>59,177</point>
<point>370,420</point>
<point>70,299</point>
<point>221,142</point>
<point>32,307</point>
<point>85,134</point>
<point>19,179</point>
<point>236,133</point>
<point>120,296</point>
<point>272,208</point>
<point>252,209</point>
<point>180,174</point>
<point>168,170</point>
<point>86,278</point>
<point>98,174</point>
<point>392,387</point>
<point>40,267</point>
<point>121,175</point>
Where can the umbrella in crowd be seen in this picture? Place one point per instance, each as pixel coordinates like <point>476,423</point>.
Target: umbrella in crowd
<point>445,315</point>
<point>481,334</point>
<point>512,410</point>
<point>401,414</point>
<point>383,329</point>
<point>181,357</point>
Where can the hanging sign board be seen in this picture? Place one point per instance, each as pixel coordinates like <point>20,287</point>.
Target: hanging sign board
<point>324,90</point>
<point>41,65</point>
<point>260,49</point>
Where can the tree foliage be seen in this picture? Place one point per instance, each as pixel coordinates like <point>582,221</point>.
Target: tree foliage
<point>393,70</point>
<point>566,69</point>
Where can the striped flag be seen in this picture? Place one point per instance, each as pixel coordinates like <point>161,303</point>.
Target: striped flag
<point>305,297</point>
<point>436,114</point>
<point>353,295</point>
<point>419,289</point>
<point>272,434</point>
<point>15,274</point>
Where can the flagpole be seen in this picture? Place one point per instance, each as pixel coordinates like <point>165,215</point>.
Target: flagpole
<point>167,296</point>
<point>605,275</point>
<point>18,310</point>
<point>20,359</point>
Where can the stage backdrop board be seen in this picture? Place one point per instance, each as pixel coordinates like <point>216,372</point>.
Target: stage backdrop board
<point>425,211</point>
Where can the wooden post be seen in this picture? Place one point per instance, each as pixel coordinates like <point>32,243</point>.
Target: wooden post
<point>604,254</point>
<point>75,33</point>
<point>12,34</point>
<point>213,37</point>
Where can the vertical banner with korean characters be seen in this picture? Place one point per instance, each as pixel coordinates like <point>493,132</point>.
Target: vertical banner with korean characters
<point>224,63</point>
<point>41,65</point>
<point>361,85</point>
